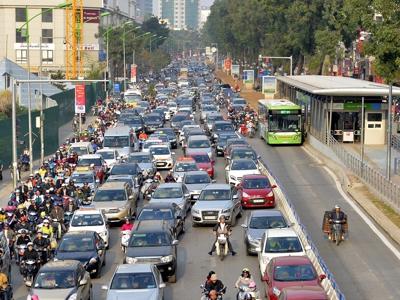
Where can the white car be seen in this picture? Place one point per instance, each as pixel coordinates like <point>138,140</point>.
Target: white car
<point>173,107</point>
<point>162,156</point>
<point>238,168</point>
<point>110,156</point>
<point>278,242</point>
<point>150,142</point>
<point>90,219</point>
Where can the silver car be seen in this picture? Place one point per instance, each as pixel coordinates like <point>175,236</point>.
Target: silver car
<point>216,200</point>
<point>172,193</point>
<point>136,281</point>
<point>256,224</point>
<point>195,182</point>
<point>60,280</point>
<point>198,143</point>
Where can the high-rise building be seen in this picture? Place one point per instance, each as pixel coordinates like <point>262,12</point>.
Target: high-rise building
<point>167,12</point>
<point>181,14</point>
<point>204,13</point>
<point>192,14</point>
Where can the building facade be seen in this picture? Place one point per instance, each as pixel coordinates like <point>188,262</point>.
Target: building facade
<point>204,12</point>
<point>180,14</point>
<point>192,14</point>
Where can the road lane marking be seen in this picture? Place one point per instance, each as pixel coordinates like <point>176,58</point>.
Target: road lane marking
<point>363,216</point>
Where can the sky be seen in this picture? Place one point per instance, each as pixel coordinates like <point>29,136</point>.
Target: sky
<point>206,2</point>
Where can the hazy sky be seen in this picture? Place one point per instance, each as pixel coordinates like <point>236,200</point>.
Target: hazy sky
<point>206,2</point>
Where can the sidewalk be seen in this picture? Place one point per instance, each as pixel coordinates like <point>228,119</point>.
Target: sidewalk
<point>375,155</point>
<point>6,187</point>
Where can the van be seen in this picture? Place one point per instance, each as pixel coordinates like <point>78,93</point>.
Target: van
<point>122,139</point>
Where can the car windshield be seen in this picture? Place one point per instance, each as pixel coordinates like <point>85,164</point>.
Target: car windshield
<point>153,119</point>
<point>243,153</point>
<point>124,169</point>
<point>107,154</point>
<point>199,144</point>
<point>87,220</point>
<point>133,281</point>
<point>109,195</point>
<point>224,127</point>
<point>211,195</point>
<point>89,161</point>
<point>243,165</point>
<point>57,279</point>
<point>143,158</point>
<point>284,123</point>
<point>236,142</point>
<point>167,192</point>
<point>266,222</point>
<point>283,245</point>
<point>76,244</point>
<point>295,273</point>
<point>116,141</point>
<point>79,150</point>
<point>197,179</point>
<point>133,122</point>
<point>256,183</point>
<point>155,214</point>
<point>160,151</point>
<point>186,166</point>
<point>178,118</point>
<point>201,158</point>
<point>151,239</point>
<point>82,178</point>
<point>213,118</point>
<point>148,143</point>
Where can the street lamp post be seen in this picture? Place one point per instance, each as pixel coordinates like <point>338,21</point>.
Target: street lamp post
<point>123,45</point>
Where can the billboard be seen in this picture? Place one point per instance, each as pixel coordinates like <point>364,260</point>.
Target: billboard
<point>80,99</point>
<point>227,64</point>
<point>133,73</point>
<point>235,70</point>
<point>248,76</point>
<point>268,85</point>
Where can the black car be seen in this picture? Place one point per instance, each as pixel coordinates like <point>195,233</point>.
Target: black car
<point>153,242</point>
<point>134,122</point>
<point>171,136</point>
<point>152,122</point>
<point>85,246</point>
<point>221,139</point>
<point>177,119</point>
<point>168,212</point>
<point>221,126</point>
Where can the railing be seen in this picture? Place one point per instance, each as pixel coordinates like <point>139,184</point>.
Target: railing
<point>329,284</point>
<point>396,142</point>
<point>386,189</point>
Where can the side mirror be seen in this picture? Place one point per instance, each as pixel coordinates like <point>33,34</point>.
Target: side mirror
<point>235,196</point>
<point>173,153</point>
<point>175,242</point>
<point>162,285</point>
<point>97,180</point>
<point>273,186</point>
<point>243,226</point>
<point>322,277</point>
<point>83,282</point>
<point>213,181</point>
<point>187,195</point>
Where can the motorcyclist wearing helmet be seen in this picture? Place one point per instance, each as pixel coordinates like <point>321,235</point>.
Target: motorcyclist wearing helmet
<point>30,254</point>
<point>22,239</point>
<point>169,177</point>
<point>86,190</point>
<point>222,228</point>
<point>47,229</point>
<point>43,243</point>
<point>214,284</point>
<point>244,278</point>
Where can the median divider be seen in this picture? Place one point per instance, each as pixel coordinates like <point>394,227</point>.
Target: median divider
<point>329,284</point>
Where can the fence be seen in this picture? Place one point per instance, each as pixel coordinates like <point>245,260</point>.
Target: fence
<point>396,142</point>
<point>386,190</point>
<point>54,118</point>
<point>329,284</point>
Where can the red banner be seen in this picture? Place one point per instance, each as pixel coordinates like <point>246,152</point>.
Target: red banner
<point>133,73</point>
<point>80,99</point>
<point>228,64</point>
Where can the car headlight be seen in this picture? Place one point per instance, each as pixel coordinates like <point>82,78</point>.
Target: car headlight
<point>195,211</point>
<point>246,195</point>
<point>93,260</point>
<point>276,291</point>
<point>103,234</point>
<point>253,241</point>
<point>232,177</point>
<point>226,211</point>
<point>131,260</point>
<point>167,259</point>
<point>270,194</point>
<point>73,296</point>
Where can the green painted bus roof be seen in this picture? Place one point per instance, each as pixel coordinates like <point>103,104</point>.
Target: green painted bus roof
<point>279,104</point>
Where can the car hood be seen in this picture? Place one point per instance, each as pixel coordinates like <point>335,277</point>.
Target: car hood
<point>196,186</point>
<point>168,200</point>
<point>213,204</point>
<point>162,156</point>
<point>257,192</point>
<point>204,166</point>
<point>255,233</point>
<point>241,173</point>
<point>52,294</point>
<point>83,257</point>
<point>97,229</point>
<point>149,294</point>
<point>149,251</point>
<point>124,151</point>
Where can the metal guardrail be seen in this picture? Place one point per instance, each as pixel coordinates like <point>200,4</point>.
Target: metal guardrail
<point>329,284</point>
<point>396,142</point>
<point>386,189</point>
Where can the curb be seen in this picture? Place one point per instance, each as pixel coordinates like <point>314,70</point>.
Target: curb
<point>391,229</point>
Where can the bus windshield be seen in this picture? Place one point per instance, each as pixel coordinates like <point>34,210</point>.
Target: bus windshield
<point>284,123</point>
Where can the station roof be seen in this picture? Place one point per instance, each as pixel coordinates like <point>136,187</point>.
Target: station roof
<point>337,86</point>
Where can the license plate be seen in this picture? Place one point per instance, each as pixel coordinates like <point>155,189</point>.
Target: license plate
<point>210,218</point>
<point>258,200</point>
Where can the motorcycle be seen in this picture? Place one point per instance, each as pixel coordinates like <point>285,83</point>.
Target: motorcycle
<point>337,231</point>
<point>53,246</point>
<point>148,188</point>
<point>221,246</point>
<point>125,236</point>
<point>42,254</point>
<point>25,162</point>
<point>20,251</point>
<point>29,268</point>
<point>249,292</point>
<point>57,232</point>
<point>205,293</point>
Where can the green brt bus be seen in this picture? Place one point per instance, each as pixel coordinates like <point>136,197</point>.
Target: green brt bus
<point>280,122</point>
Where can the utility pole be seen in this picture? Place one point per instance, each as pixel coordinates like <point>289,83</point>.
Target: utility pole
<point>389,134</point>
<point>14,134</point>
<point>41,106</point>
<point>29,93</point>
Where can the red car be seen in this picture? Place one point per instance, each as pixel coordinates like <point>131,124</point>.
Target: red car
<point>303,293</point>
<point>256,191</point>
<point>289,271</point>
<point>204,162</point>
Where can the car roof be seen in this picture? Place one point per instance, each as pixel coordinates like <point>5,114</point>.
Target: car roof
<point>170,184</point>
<point>133,268</point>
<point>254,176</point>
<point>150,226</point>
<point>281,232</point>
<point>159,205</point>
<point>291,260</point>
<point>218,186</point>
<point>69,264</point>
<point>82,234</point>
<point>265,213</point>
<point>198,137</point>
<point>89,156</point>
<point>113,185</point>
<point>222,122</point>
<point>195,173</point>
<point>87,211</point>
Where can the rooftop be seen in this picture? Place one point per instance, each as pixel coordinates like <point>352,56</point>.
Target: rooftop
<point>337,86</point>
